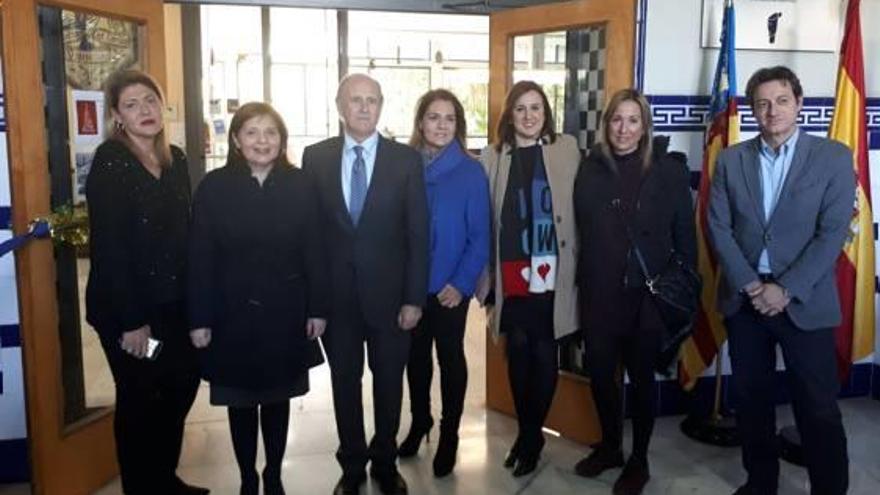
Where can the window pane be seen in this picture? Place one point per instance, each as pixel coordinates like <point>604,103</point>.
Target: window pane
<point>303,49</point>
<point>473,91</point>
<point>412,53</point>
<point>402,88</point>
<point>233,68</point>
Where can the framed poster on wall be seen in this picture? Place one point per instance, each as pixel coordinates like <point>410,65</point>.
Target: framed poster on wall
<point>794,25</point>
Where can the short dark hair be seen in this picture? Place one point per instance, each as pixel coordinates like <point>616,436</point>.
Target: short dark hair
<point>247,112</point>
<point>777,73</point>
<point>505,132</point>
<point>417,140</point>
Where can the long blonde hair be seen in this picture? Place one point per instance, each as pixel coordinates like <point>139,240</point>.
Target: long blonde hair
<point>645,143</point>
<point>113,88</point>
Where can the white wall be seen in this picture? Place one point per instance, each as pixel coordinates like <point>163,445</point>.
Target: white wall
<point>676,65</point>
<point>12,412</point>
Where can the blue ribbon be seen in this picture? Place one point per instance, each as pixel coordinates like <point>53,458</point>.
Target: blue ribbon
<point>38,229</point>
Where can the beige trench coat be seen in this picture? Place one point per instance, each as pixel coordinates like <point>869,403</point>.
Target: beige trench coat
<point>561,160</point>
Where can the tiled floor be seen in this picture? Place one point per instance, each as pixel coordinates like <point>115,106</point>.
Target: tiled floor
<point>678,465</point>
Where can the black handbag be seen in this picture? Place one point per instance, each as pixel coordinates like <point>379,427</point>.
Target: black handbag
<point>676,293</point>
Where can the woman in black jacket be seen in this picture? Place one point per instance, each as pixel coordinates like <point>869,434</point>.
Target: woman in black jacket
<point>138,197</point>
<point>627,188</point>
<point>257,288</point>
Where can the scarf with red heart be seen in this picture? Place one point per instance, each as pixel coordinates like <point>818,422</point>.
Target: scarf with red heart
<point>528,249</point>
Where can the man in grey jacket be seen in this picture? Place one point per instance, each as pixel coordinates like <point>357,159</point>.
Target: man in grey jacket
<point>779,213</point>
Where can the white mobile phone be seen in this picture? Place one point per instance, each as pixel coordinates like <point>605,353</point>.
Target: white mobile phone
<point>153,348</point>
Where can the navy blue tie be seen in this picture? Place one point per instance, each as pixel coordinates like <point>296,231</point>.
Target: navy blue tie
<point>358,185</point>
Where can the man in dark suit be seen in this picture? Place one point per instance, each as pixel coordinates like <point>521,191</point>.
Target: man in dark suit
<point>779,212</point>
<point>375,220</point>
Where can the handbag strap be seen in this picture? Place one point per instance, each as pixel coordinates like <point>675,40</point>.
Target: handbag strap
<point>649,280</point>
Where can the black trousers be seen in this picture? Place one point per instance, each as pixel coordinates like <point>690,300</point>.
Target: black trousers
<point>387,351</point>
<point>532,366</point>
<point>633,339</point>
<point>446,327</point>
<point>152,401</point>
<point>813,384</point>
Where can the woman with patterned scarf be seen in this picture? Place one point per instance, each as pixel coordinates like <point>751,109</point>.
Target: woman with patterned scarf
<point>529,289</point>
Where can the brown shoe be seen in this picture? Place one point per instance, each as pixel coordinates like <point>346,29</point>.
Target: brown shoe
<point>598,461</point>
<point>633,479</point>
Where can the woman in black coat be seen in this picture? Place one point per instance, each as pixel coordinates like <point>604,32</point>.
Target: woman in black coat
<point>138,197</point>
<point>627,182</point>
<point>257,288</point>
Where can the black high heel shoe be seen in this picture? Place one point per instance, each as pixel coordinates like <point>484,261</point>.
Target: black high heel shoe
<point>525,465</point>
<point>447,449</point>
<point>512,454</point>
<point>410,445</point>
<point>529,455</point>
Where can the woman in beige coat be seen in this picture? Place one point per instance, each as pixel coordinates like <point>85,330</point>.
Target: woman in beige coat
<point>530,290</point>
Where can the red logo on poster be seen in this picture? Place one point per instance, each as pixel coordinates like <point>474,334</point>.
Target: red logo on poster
<point>87,118</point>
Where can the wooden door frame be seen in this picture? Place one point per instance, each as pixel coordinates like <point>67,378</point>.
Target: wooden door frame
<point>63,459</point>
<point>573,412</point>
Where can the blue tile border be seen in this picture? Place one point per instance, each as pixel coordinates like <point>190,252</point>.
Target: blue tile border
<point>874,140</point>
<point>875,382</point>
<point>864,380</point>
<point>5,217</point>
<point>10,336</point>
<point>689,113</point>
<point>14,463</point>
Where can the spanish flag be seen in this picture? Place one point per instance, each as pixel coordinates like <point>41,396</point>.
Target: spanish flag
<point>698,351</point>
<point>855,266</point>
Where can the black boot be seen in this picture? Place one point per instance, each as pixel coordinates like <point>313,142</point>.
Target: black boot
<point>410,445</point>
<point>447,449</point>
<point>599,460</point>
<point>633,479</point>
<point>272,482</point>
<point>529,455</point>
<point>250,484</point>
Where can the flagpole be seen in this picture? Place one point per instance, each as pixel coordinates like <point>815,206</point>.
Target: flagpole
<point>716,409</point>
<point>714,426</point>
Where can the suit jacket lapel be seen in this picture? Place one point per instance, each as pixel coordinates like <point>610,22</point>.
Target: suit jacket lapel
<point>751,167</point>
<point>797,169</point>
<point>335,179</point>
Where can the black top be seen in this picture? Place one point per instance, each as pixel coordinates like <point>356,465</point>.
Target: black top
<point>611,243</point>
<point>523,163</point>
<point>138,237</point>
<point>257,271</point>
<point>657,205</point>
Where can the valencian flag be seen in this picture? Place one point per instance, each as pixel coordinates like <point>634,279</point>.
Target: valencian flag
<point>700,349</point>
<point>855,266</point>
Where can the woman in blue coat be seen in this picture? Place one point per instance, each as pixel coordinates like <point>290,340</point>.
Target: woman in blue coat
<point>458,202</point>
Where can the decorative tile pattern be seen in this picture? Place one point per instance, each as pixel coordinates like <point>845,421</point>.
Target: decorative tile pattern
<point>586,80</point>
<point>674,113</point>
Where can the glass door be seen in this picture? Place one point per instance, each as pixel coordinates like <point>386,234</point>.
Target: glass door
<point>580,52</point>
<point>62,52</point>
